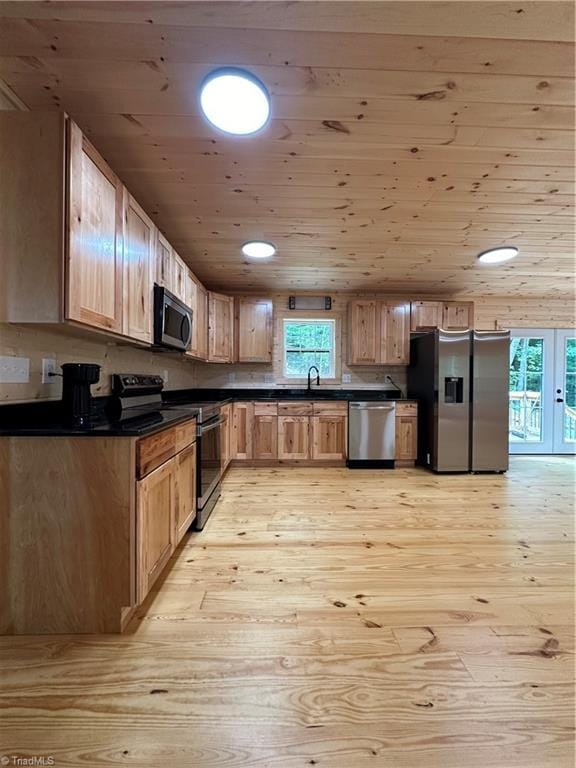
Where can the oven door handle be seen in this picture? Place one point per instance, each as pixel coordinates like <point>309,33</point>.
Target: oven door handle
<point>202,429</point>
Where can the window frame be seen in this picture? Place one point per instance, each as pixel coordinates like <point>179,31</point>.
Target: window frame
<point>334,357</point>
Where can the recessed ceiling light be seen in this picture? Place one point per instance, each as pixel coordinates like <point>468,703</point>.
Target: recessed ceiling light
<point>235,101</point>
<point>498,255</point>
<point>258,249</point>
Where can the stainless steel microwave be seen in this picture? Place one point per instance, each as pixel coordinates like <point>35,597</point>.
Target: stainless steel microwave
<point>172,320</point>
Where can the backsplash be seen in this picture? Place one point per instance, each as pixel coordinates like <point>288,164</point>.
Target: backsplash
<point>34,344</point>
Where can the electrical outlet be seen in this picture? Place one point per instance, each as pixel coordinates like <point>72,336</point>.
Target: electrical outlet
<point>346,378</point>
<point>165,376</point>
<point>14,370</point>
<point>48,370</point>
<point>268,378</point>
<point>231,376</point>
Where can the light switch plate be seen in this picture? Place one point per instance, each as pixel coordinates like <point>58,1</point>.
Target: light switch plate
<point>14,370</point>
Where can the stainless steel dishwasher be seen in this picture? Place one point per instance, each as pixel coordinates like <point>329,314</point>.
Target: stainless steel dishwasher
<point>371,434</point>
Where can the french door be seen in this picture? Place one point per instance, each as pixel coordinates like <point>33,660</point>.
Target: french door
<point>542,405</point>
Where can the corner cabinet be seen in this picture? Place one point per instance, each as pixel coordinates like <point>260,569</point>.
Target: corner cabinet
<point>220,328</point>
<point>378,332</point>
<point>95,253</point>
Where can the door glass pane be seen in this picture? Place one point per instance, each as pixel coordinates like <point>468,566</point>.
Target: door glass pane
<point>526,381</point>
<point>570,391</point>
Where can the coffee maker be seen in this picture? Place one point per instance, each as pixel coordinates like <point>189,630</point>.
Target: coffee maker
<point>76,397</point>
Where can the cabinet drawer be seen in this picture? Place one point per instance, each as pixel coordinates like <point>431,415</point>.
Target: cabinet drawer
<point>406,409</point>
<point>156,449</point>
<point>185,434</point>
<point>331,408</point>
<point>295,409</point>
<point>265,409</point>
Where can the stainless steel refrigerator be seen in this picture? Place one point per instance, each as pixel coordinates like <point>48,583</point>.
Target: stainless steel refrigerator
<point>460,379</point>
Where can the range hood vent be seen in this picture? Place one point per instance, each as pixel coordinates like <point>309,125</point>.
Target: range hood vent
<point>310,302</point>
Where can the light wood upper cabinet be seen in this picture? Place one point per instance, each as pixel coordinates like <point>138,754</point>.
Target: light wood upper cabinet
<point>457,315</point>
<point>155,523</point>
<point>220,328</point>
<point>425,315</point>
<point>178,277</point>
<point>94,267</point>
<point>185,508</point>
<point>363,332</point>
<point>242,429</point>
<point>164,262</point>
<point>199,340</point>
<point>378,332</point>
<point>293,437</point>
<point>329,437</point>
<point>139,262</point>
<point>254,329</point>
<point>394,333</point>
<point>265,438</point>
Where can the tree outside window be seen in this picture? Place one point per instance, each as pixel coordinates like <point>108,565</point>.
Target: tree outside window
<point>306,343</point>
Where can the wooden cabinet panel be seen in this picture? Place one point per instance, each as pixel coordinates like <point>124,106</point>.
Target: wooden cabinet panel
<point>293,437</point>
<point>139,246</point>
<point>457,315</point>
<point>363,332</point>
<point>154,450</point>
<point>185,510</point>
<point>199,341</point>
<point>94,268</point>
<point>406,409</point>
<point>156,504</point>
<point>329,437</point>
<point>265,409</point>
<point>406,438</point>
<point>425,315</point>
<point>220,328</point>
<point>189,290</point>
<point>242,428</point>
<point>164,262</point>
<point>184,434</point>
<point>394,333</point>
<point>226,433</point>
<point>178,277</point>
<point>297,408</point>
<point>265,445</point>
<point>331,408</point>
<point>253,330</point>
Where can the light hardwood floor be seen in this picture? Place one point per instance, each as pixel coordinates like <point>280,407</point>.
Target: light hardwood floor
<point>330,618</point>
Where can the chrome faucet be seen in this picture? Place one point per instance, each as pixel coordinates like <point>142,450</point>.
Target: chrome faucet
<point>313,368</point>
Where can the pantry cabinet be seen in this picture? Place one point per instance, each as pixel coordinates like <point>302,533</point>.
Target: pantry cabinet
<point>95,253</point>
<point>220,328</point>
<point>253,330</point>
<point>139,262</point>
<point>378,332</point>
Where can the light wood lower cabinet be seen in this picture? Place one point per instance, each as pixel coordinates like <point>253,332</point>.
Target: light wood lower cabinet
<point>293,437</point>
<point>329,437</point>
<point>226,435</point>
<point>185,492</point>
<point>242,428</point>
<point>155,523</point>
<point>406,438</point>
<point>265,437</point>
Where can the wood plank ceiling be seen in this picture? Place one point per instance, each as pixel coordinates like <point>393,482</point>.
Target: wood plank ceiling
<point>406,136</point>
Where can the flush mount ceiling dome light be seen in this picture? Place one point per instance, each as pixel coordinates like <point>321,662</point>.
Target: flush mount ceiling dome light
<point>258,249</point>
<point>498,255</point>
<point>235,101</point>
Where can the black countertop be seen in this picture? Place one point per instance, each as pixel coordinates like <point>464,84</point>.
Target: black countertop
<point>45,419</point>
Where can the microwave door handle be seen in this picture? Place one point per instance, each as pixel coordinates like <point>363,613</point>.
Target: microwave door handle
<point>185,322</point>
